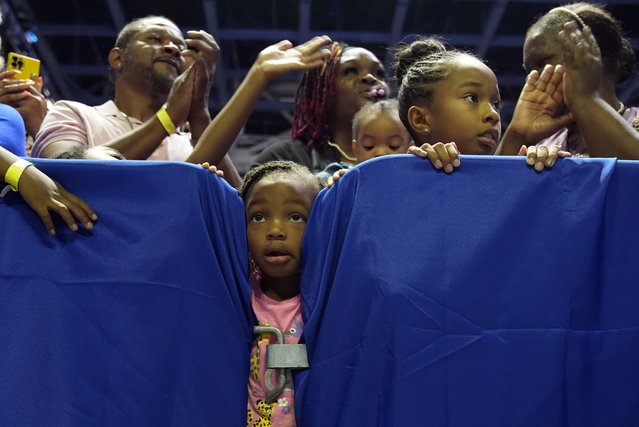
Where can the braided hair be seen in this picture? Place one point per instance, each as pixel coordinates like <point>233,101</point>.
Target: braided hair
<point>418,66</point>
<point>279,168</point>
<point>315,99</point>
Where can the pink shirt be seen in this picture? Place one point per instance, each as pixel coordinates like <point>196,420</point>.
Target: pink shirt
<point>287,316</point>
<point>91,126</point>
<point>574,143</point>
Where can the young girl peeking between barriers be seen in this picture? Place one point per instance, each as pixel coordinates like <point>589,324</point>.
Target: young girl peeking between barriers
<point>278,196</point>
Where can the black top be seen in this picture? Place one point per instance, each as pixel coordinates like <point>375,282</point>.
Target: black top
<point>316,159</point>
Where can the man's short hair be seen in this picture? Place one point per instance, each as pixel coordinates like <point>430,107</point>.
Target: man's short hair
<point>132,28</point>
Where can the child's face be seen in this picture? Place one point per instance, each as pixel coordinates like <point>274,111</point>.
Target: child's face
<point>358,73</point>
<point>277,209</point>
<point>465,109</point>
<point>380,135</point>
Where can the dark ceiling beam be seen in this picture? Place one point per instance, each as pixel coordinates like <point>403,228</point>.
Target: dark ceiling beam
<point>84,70</point>
<point>117,14</point>
<point>630,89</point>
<point>397,28</point>
<point>213,28</point>
<point>271,106</point>
<point>56,80</point>
<point>270,35</point>
<point>555,3</point>
<point>303,34</point>
<point>76,30</point>
<point>399,19</point>
<point>304,25</point>
<point>490,27</point>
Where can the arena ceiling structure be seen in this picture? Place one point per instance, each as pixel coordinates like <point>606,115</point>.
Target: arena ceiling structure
<point>73,38</point>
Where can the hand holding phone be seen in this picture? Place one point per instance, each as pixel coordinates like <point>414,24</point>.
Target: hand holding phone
<point>27,67</point>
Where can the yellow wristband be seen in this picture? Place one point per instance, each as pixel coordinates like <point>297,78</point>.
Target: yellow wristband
<point>14,172</point>
<point>165,120</point>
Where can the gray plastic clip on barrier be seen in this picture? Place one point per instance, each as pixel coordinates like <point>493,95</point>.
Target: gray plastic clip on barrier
<point>282,357</point>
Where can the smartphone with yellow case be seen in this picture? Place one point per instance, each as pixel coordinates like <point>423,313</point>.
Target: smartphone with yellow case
<point>29,68</point>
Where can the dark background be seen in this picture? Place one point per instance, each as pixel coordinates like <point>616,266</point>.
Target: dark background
<point>75,36</point>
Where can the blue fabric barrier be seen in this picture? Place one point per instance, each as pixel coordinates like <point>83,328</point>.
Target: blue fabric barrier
<point>12,130</point>
<point>495,296</point>
<point>146,321</point>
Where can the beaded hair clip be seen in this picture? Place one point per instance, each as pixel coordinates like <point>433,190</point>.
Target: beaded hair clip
<point>574,16</point>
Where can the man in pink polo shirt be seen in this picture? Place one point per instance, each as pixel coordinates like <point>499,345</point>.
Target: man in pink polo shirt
<point>162,81</point>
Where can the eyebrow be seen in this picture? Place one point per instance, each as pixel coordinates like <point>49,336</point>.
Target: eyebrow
<point>477,85</point>
<point>165,31</point>
<point>471,84</point>
<point>368,135</point>
<point>379,64</point>
<point>253,202</point>
<point>261,200</point>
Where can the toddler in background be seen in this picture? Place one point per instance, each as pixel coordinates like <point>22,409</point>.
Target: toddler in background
<point>378,131</point>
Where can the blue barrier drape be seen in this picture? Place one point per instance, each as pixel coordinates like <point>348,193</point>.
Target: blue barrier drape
<point>145,321</point>
<point>495,296</point>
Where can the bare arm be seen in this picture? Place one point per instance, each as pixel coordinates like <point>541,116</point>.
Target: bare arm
<point>138,144</point>
<point>44,194</point>
<point>272,62</point>
<point>605,132</point>
<point>203,52</point>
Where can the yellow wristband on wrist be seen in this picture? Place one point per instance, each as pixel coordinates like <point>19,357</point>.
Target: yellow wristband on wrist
<point>165,120</point>
<point>14,172</point>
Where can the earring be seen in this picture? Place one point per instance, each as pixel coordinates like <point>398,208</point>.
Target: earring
<point>426,130</point>
<point>254,271</point>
